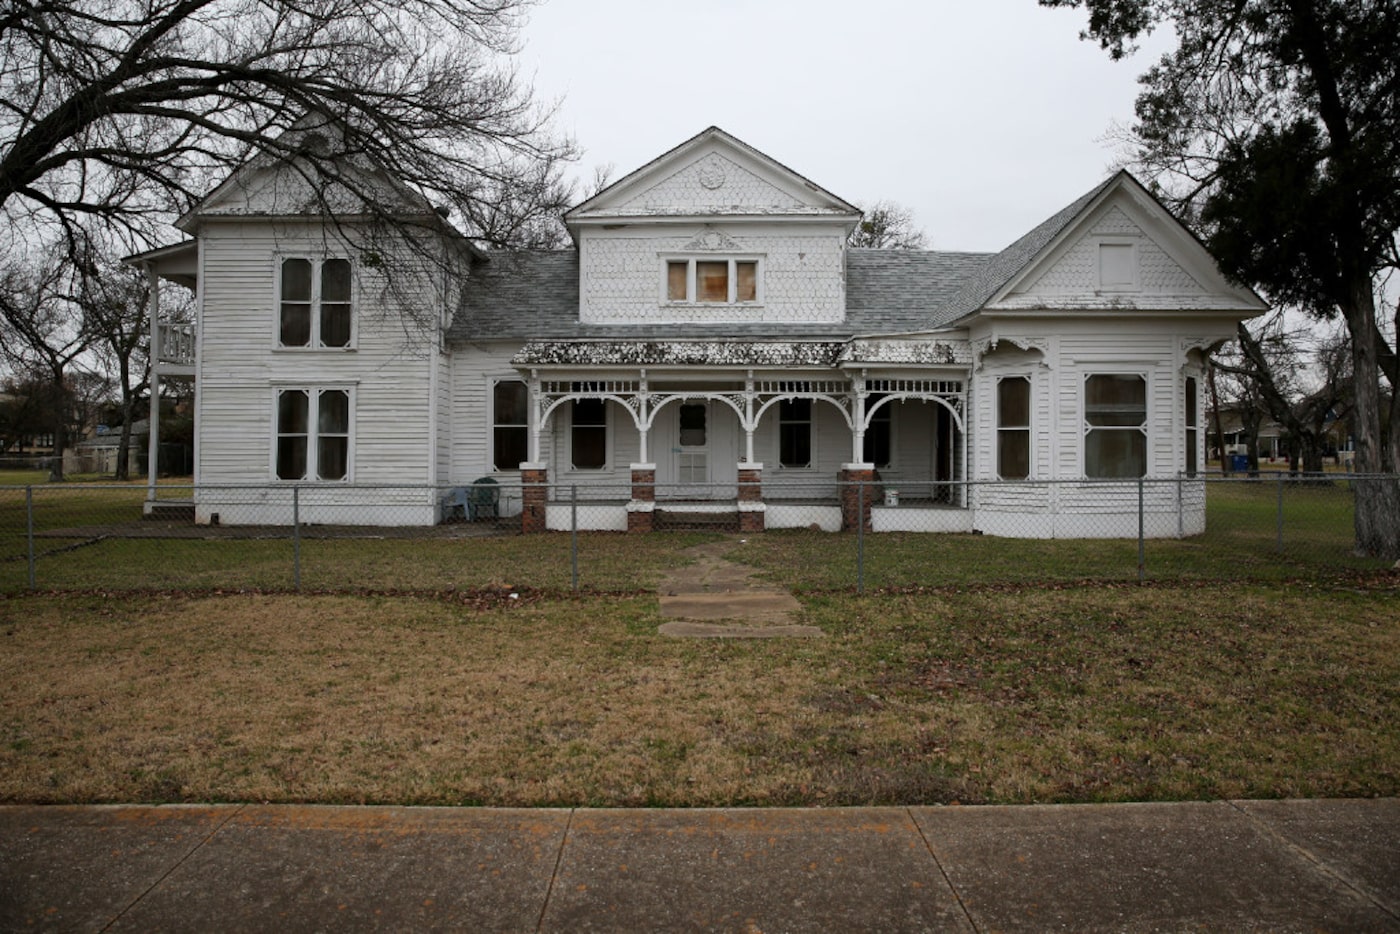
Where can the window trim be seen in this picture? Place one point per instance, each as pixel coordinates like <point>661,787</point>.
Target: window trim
<point>491,425</point>
<point>690,259</point>
<point>314,391</point>
<point>1028,428</point>
<point>314,345</point>
<point>1143,428</point>
<point>607,427</point>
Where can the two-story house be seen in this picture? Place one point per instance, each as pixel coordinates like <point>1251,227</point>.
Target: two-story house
<point>710,340</point>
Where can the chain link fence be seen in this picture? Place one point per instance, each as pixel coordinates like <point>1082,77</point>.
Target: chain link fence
<point>807,534</point>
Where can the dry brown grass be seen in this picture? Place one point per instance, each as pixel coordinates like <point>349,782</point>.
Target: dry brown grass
<point>1017,695</point>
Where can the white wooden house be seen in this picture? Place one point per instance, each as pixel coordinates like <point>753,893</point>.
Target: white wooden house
<point>710,339</point>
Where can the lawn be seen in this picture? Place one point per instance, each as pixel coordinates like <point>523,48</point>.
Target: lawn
<point>1003,693</point>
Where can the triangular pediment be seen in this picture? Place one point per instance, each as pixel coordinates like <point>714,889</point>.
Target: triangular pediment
<point>1122,249</point>
<point>303,176</point>
<point>712,174</point>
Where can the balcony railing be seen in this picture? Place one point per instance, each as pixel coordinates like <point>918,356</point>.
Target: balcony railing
<point>177,343</point>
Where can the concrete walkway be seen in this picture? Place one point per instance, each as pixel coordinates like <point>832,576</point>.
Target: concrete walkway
<point>715,598</point>
<point>1218,866</point>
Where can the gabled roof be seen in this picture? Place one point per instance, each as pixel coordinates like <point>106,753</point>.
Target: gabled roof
<point>804,196</point>
<point>534,294</point>
<point>1020,260</point>
<point>1006,265</point>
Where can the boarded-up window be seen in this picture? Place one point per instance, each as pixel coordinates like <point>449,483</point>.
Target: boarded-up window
<point>1115,426</point>
<point>795,433</point>
<point>1014,428</point>
<point>510,431</point>
<point>589,434</point>
<point>677,272</point>
<point>1117,266</point>
<point>712,281</point>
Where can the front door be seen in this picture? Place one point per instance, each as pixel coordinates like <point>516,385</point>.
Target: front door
<point>692,450</point>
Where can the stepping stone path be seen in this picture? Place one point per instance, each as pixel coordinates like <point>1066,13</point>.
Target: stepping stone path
<point>715,598</point>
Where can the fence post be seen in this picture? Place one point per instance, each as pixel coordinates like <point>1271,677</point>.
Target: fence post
<point>296,538</point>
<point>1278,534</point>
<point>573,535</point>
<point>1142,549</point>
<point>860,536</point>
<point>1180,508</point>
<point>29,522</point>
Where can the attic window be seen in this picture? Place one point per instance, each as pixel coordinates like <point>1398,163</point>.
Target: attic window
<point>1118,266</point>
<point>712,280</point>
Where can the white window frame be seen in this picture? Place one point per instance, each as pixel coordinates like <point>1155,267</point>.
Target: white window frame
<point>491,385</point>
<point>1028,428</point>
<point>887,408</point>
<point>811,424</point>
<point>314,345</point>
<point>314,391</point>
<point>607,437</point>
<point>1136,261</point>
<point>690,259</point>
<point>1086,428</point>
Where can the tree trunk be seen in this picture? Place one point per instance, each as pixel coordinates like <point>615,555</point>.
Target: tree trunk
<point>1377,519</point>
<point>60,426</point>
<point>128,403</point>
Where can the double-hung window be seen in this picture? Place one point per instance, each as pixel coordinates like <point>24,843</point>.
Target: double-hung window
<point>316,307</point>
<point>313,434</point>
<point>1192,424</point>
<point>795,433</point>
<point>876,446</point>
<point>1115,426</point>
<point>588,435</point>
<point>712,280</point>
<point>1014,428</point>
<point>510,424</point>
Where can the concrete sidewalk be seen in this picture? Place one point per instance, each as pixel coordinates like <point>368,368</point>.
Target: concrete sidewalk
<point>1224,866</point>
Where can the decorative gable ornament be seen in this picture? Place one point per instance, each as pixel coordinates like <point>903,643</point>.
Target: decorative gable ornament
<point>714,241</point>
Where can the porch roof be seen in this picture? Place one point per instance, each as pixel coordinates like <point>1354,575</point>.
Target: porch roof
<point>590,353</point>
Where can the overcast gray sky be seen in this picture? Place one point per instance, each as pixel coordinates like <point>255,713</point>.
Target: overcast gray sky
<point>983,117</point>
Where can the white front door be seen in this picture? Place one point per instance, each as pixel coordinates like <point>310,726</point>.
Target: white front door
<point>692,450</point>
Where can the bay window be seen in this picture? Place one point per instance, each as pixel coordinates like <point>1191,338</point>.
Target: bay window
<point>1115,426</point>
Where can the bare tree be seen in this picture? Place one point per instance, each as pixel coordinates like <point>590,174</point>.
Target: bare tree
<point>116,116</point>
<point>886,225</point>
<point>42,334</point>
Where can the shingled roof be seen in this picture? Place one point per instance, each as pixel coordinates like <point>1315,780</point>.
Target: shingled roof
<point>534,295</point>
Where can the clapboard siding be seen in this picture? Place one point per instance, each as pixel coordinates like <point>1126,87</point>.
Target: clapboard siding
<point>241,369</point>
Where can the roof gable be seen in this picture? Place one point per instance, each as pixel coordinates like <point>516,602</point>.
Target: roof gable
<point>1115,247</point>
<point>712,174</point>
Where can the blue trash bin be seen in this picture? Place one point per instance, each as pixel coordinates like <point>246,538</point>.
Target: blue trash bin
<point>1239,463</point>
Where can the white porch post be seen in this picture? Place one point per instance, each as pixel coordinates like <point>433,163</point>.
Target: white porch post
<point>643,419</point>
<point>153,432</point>
<point>748,418</point>
<point>858,421</point>
<point>536,416</point>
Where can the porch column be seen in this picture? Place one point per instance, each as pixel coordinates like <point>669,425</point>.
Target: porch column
<point>153,429</point>
<point>642,508</point>
<point>751,508</point>
<point>858,420</point>
<point>748,429</point>
<point>536,417</point>
<point>856,479</point>
<point>534,491</point>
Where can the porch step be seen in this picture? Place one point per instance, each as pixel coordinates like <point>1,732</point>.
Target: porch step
<point>680,520</point>
<point>168,510</point>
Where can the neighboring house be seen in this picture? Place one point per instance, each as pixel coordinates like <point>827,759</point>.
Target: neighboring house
<point>710,338</point>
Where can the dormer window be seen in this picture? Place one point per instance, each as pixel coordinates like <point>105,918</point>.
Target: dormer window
<point>725,281</point>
